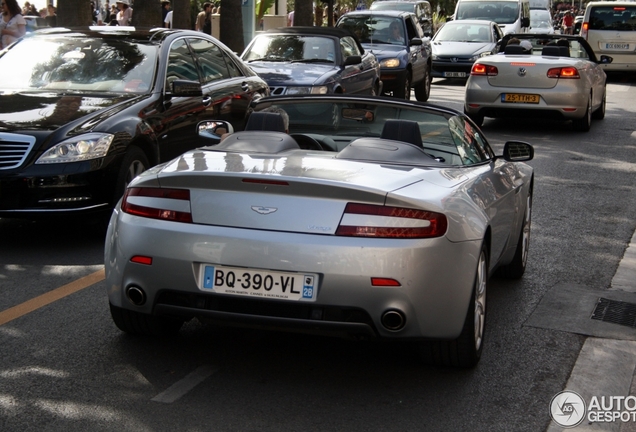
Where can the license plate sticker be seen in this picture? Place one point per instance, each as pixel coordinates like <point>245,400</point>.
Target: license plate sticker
<point>257,283</point>
<point>616,46</point>
<point>520,98</point>
<point>455,74</point>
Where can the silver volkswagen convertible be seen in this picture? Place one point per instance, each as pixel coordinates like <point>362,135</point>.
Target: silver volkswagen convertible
<point>354,216</point>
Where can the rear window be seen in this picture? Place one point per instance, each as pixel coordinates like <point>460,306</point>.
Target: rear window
<point>620,18</point>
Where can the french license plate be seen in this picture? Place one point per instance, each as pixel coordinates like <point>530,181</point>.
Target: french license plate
<point>259,283</point>
<point>520,98</point>
<point>617,46</point>
<point>455,74</point>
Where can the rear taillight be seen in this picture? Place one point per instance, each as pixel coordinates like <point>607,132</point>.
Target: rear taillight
<point>484,69</point>
<point>365,220</point>
<point>158,203</point>
<point>584,28</point>
<point>564,72</point>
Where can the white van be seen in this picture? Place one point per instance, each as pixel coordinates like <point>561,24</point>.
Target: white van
<point>610,29</point>
<point>512,16</point>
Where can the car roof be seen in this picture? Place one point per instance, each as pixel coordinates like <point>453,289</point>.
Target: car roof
<point>397,14</point>
<point>400,1</point>
<point>139,35</point>
<point>322,31</point>
<point>465,22</point>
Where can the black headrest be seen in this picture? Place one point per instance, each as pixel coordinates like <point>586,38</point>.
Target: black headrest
<point>551,51</point>
<point>514,49</point>
<point>565,51</point>
<point>402,130</point>
<point>265,121</point>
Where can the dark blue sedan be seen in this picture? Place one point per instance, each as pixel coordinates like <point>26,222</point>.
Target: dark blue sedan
<point>313,60</point>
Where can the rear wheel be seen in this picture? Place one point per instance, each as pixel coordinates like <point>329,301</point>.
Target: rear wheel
<point>599,114</point>
<point>404,91</point>
<point>134,322</point>
<point>423,89</point>
<point>583,124</point>
<point>478,119</point>
<point>465,351</point>
<point>517,267</point>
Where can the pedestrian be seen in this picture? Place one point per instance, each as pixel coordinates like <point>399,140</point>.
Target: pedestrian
<point>12,24</point>
<point>97,15</point>
<point>165,8</point>
<point>51,17</point>
<point>204,19</point>
<point>167,23</point>
<point>290,19</point>
<point>568,23</point>
<point>124,15</point>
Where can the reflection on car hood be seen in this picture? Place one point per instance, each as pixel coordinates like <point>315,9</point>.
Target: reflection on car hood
<point>293,73</point>
<point>49,111</point>
<point>460,48</point>
<point>385,50</point>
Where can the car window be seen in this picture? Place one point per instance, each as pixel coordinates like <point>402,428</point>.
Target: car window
<point>617,18</point>
<point>211,62</point>
<point>181,65</point>
<point>291,48</point>
<point>413,30</point>
<point>470,144</point>
<point>349,47</point>
<point>368,29</point>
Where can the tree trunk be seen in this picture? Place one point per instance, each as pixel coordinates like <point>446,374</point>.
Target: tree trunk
<point>74,13</point>
<point>231,25</point>
<point>181,18</point>
<point>147,13</point>
<point>303,13</point>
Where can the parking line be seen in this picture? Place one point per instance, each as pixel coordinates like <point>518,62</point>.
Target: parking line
<point>49,297</point>
<point>190,381</point>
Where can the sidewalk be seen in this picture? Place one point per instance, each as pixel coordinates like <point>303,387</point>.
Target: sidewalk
<point>607,366</point>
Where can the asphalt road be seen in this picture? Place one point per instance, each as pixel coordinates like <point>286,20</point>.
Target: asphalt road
<point>65,366</point>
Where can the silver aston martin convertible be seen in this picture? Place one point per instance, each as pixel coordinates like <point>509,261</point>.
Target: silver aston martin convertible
<point>352,216</point>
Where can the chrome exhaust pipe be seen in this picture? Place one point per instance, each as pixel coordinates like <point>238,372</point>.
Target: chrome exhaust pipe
<point>393,320</point>
<point>136,295</point>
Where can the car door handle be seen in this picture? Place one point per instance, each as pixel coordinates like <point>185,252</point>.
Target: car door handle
<point>207,100</point>
<point>245,86</point>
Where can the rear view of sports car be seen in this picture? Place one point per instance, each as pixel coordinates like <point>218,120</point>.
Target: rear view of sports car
<point>548,76</point>
<point>373,218</point>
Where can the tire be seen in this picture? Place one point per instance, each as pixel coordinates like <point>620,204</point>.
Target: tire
<point>375,90</point>
<point>423,89</point>
<point>478,119</point>
<point>583,124</point>
<point>465,351</point>
<point>404,92</point>
<point>599,114</point>
<point>142,324</point>
<point>517,267</point>
<point>135,162</point>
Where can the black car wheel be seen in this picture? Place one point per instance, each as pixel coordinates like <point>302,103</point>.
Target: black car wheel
<point>583,124</point>
<point>423,89</point>
<point>404,91</point>
<point>135,162</point>
<point>599,114</point>
<point>517,267</point>
<point>465,351</point>
<point>478,119</point>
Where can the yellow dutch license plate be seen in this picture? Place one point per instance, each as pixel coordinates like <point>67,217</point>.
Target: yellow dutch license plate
<point>520,98</point>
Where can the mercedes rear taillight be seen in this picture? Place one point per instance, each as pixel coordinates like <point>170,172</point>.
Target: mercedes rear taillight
<point>366,220</point>
<point>158,203</point>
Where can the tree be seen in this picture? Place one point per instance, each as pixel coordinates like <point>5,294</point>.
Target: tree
<point>74,13</point>
<point>231,25</point>
<point>147,13</point>
<point>181,16</point>
<point>303,13</point>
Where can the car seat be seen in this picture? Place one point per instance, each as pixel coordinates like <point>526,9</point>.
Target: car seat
<point>402,130</point>
<point>554,51</point>
<point>265,121</point>
<point>514,49</point>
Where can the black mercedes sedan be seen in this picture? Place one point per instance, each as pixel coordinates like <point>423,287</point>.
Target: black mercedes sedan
<point>83,111</point>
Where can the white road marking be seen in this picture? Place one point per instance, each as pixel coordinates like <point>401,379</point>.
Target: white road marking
<point>180,388</point>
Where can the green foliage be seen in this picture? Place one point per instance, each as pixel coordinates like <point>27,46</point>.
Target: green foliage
<point>262,6</point>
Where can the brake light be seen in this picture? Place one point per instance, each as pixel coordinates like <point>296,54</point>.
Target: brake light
<point>483,69</point>
<point>158,203</point>
<point>619,8</point>
<point>564,72</point>
<point>366,220</point>
<point>584,28</point>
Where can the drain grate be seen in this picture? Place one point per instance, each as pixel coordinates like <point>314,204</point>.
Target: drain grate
<point>616,312</point>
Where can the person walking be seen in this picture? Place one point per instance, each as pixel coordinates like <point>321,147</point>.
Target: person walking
<point>204,19</point>
<point>165,8</point>
<point>568,23</point>
<point>12,23</point>
<point>167,22</point>
<point>125,12</point>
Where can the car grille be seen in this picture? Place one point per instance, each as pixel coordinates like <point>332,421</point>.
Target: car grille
<point>14,149</point>
<point>277,91</point>
<point>265,308</point>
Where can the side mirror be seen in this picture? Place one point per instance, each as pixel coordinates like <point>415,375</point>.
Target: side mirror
<point>186,88</point>
<point>518,151</point>
<point>214,130</point>
<point>605,59</point>
<point>416,41</point>
<point>525,22</point>
<point>353,60</point>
